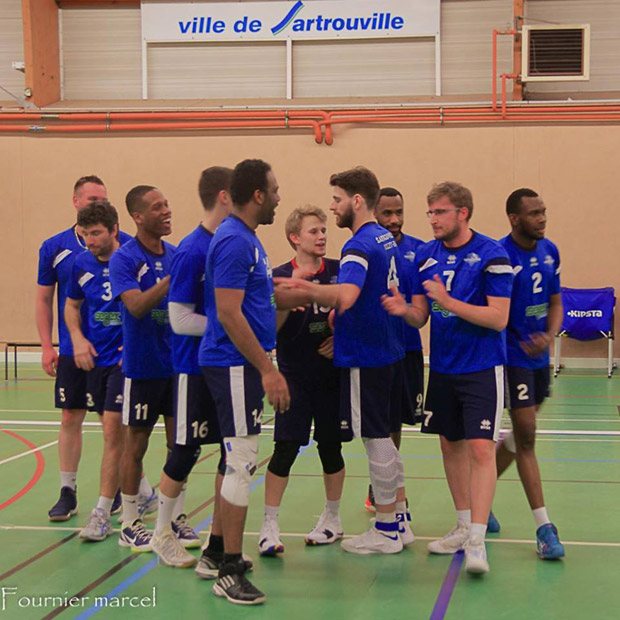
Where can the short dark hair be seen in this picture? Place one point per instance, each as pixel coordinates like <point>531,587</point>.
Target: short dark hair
<point>358,180</point>
<point>212,181</point>
<point>133,200</point>
<point>98,212</point>
<point>87,179</point>
<point>248,176</point>
<point>513,202</point>
<point>390,192</point>
<point>459,195</point>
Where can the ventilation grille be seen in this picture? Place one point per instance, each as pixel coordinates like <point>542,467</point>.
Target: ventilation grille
<point>556,53</point>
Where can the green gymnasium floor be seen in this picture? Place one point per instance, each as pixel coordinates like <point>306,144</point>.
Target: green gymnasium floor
<point>579,452</point>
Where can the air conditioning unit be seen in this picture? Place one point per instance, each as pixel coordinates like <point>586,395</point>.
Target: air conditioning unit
<point>555,53</point>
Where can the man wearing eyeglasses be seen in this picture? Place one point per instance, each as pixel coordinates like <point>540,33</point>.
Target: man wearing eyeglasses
<point>463,283</point>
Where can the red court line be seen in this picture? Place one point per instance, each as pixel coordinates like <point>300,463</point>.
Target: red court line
<point>38,472</point>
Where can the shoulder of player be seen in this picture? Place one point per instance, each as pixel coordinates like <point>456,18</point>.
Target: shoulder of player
<point>285,270</point>
<point>60,240</point>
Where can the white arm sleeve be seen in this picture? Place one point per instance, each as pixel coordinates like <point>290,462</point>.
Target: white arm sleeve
<point>185,321</point>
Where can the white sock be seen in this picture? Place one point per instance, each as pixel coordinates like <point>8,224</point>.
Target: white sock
<point>463,517</point>
<point>165,512</point>
<point>130,509</point>
<point>271,512</point>
<point>179,506</point>
<point>332,507</point>
<point>105,503</point>
<point>145,487</point>
<point>541,517</point>
<point>478,531</point>
<point>385,517</point>
<point>68,479</point>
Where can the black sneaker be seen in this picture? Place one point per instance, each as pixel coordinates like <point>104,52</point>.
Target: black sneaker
<point>238,589</point>
<point>65,507</point>
<point>117,504</point>
<point>208,566</point>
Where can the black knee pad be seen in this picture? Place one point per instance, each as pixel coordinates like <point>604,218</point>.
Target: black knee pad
<point>284,455</point>
<point>180,461</point>
<point>221,466</point>
<point>330,454</point>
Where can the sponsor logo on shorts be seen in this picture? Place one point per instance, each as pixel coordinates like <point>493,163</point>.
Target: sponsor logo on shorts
<point>344,425</point>
<point>119,399</point>
<point>485,425</point>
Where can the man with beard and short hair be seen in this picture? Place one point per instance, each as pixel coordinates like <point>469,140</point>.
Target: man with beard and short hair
<point>464,283</point>
<point>139,274</point>
<point>535,318</point>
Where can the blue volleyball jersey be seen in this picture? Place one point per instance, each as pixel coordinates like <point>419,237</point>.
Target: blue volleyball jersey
<point>407,247</point>
<point>146,341</point>
<point>303,331</point>
<point>56,257</point>
<point>536,278</point>
<point>237,260</point>
<point>366,336</point>
<point>91,283</point>
<point>187,286</point>
<point>471,273</point>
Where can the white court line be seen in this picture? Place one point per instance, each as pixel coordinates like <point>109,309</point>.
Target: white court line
<point>22,454</point>
<point>510,541</point>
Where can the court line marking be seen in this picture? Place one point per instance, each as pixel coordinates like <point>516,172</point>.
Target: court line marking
<point>22,454</point>
<point>509,541</point>
<point>447,587</point>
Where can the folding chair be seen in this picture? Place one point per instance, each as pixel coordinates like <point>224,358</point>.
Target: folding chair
<point>588,315</point>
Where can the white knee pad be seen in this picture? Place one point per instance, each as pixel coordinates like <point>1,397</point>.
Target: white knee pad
<point>385,468</point>
<point>509,442</point>
<point>241,453</point>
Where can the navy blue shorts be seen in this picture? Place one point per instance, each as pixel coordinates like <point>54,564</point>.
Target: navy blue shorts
<point>195,417</point>
<point>314,396</point>
<point>144,400</point>
<point>371,401</point>
<point>238,394</point>
<point>70,386</point>
<point>104,386</point>
<point>413,383</point>
<point>527,387</point>
<point>467,406</point>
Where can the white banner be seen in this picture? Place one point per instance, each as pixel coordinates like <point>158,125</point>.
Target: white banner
<point>297,20</point>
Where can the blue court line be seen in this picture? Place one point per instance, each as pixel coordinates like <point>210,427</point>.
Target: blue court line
<point>147,568</point>
<point>447,587</point>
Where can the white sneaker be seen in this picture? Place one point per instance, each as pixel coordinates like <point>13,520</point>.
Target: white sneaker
<point>327,530</point>
<point>373,541</point>
<point>269,542</point>
<point>452,542</point>
<point>476,556</point>
<point>404,527</point>
<point>170,550</point>
<point>98,527</point>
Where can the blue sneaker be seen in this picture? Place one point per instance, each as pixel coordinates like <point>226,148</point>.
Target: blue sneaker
<point>548,545</point>
<point>136,537</point>
<point>147,504</point>
<point>65,507</point>
<point>185,533</point>
<point>117,504</point>
<point>493,526</point>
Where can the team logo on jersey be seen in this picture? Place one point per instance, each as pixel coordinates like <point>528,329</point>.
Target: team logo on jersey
<point>533,262</point>
<point>410,256</point>
<point>142,271</point>
<point>158,266</point>
<point>485,425</point>
<point>429,263</point>
<point>451,259</point>
<point>472,258</point>
<point>549,260</point>
<point>203,277</point>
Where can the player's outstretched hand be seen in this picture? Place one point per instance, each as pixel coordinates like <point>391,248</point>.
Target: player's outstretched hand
<point>537,344</point>
<point>49,361</point>
<point>276,390</point>
<point>436,290</point>
<point>326,349</point>
<point>395,303</point>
